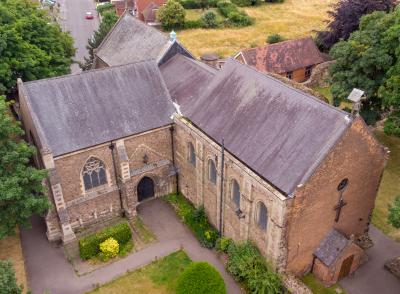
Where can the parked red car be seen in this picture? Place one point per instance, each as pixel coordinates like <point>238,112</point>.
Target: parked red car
<point>89,15</point>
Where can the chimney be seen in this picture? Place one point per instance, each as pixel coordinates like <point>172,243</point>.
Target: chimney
<point>172,36</point>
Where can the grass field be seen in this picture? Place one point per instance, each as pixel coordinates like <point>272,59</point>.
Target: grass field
<point>10,248</point>
<point>291,19</point>
<point>158,277</point>
<point>390,186</point>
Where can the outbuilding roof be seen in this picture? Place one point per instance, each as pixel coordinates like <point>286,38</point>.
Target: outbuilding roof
<point>131,40</point>
<point>284,56</point>
<point>278,131</point>
<point>78,111</point>
<point>331,247</point>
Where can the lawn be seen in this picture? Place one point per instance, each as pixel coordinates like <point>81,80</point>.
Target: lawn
<point>318,288</point>
<point>158,277</point>
<point>292,19</point>
<point>390,186</point>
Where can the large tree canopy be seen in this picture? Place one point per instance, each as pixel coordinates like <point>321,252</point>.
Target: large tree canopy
<point>346,16</point>
<point>30,46</point>
<point>370,60</point>
<point>21,189</point>
<point>107,22</point>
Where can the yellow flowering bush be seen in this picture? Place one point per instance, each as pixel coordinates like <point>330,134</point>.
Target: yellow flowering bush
<point>109,249</point>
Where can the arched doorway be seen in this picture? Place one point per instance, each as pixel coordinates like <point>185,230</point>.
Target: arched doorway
<point>145,189</point>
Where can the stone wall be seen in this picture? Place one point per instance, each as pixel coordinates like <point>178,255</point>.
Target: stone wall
<point>357,156</point>
<point>195,184</point>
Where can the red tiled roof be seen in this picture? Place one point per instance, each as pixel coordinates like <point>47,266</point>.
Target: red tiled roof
<point>284,56</point>
<point>141,5</point>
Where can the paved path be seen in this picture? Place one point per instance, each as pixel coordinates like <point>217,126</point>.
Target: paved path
<point>372,278</point>
<point>48,270</point>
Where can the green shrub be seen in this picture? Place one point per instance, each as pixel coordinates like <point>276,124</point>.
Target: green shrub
<point>193,24</point>
<point>89,246</point>
<point>371,116</point>
<point>195,219</point>
<point>8,283</point>
<point>245,3</point>
<point>249,267</point>
<point>105,7</point>
<point>200,278</point>
<point>394,213</point>
<point>197,4</point>
<point>275,38</point>
<point>392,124</point>
<point>171,15</point>
<point>223,243</point>
<point>109,249</point>
<point>239,19</point>
<point>209,20</point>
<point>225,7</point>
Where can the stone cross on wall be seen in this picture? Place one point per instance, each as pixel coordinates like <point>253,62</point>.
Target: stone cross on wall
<point>341,203</point>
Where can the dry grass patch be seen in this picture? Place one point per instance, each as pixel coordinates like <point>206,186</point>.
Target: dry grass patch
<point>10,248</point>
<point>291,19</point>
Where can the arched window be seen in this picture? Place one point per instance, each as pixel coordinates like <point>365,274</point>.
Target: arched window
<point>262,216</point>
<point>236,193</point>
<point>94,173</point>
<point>191,154</point>
<point>212,172</point>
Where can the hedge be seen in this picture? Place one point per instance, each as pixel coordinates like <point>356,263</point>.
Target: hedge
<point>200,278</point>
<point>8,282</point>
<point>231,12</point>
<point>195,219</point>
<point>195,4</point>
<point>90,246</point>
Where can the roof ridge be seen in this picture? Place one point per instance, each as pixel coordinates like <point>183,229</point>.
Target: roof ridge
<point>90,71</point>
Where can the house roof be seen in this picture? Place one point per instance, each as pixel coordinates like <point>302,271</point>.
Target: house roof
<point>186,78</point>
<point>141,5</point>
<point>278,131</point>
<point>284,56</point>
<point>78,111</point>
<point>331,247</point>
<point>131,40</point>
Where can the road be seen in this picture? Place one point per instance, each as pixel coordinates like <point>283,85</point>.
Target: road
<point>72,19</point>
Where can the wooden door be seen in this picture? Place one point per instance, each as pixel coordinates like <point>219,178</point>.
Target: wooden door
<point>346,267</point>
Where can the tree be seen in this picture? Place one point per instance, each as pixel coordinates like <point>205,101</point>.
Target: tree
<point>171,15</point>
<point>346,16</point>
<point>209,19</point>
<point>8,283</point>
<point>30,46</point>
<point>370,60</point>
<point>108,21</point>
<point>21,189</point>
<point>394,213</point>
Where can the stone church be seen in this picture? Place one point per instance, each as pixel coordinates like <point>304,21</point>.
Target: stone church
<point>270,163</point>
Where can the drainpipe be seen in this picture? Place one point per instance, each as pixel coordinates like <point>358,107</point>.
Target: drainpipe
<point>171,129</point>
<point>222,187</point>
<point>112,146</point>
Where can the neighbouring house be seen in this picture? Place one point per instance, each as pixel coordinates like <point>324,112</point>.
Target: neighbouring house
<point>294,59</point>
<point>270,163</point>
<point>122,5</point>
<point>146,10</point>
<point>132,40</point>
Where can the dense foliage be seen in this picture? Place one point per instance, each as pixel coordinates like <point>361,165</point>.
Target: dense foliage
<point>370,60</point>
<point>109,249</point>
<point>8,283</point>
<point>234,16</point>
<point>249,267</point>
<point>392,124</point>
<point>209,20</point>
<point>346,16</point>
<point>90,246</point>
<point>196,4</point>
<point>107,22</point>
<point>31,47</point>
<point>200,278</point>
<point>106,7</point>
<point>195,219</point>
<point>21,189</point>
<point>394,213</point>
<point>171,15</point>
<point>275,38</point>
<point>245,3</point>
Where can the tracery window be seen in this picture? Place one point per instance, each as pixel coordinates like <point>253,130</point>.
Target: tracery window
<point>94,173</point>
<point>191,154</point>
<point>262,216</point>
<point>212,172</point>
<point>236,193</point>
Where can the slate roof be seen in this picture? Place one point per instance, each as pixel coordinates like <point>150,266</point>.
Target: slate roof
<point>186,79</point>
<point>331,247</point>
<point>279,132</point>
<point>131,40</point>
<point>78,111</point>
<point>284,56</point>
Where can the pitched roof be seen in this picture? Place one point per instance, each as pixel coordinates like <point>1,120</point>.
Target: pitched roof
<point>78,111</point>
<point>186,78</point>
<point>278,131</point>
<point>331,247</point>
<point>284,56</point>
<point>131,40</point>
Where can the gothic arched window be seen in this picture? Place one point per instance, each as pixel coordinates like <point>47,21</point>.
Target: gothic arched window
<point>212,172</point>
<point>94,173</point>
<point>262,216</point>
<point>236,193</point>
<point>191,154</point>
